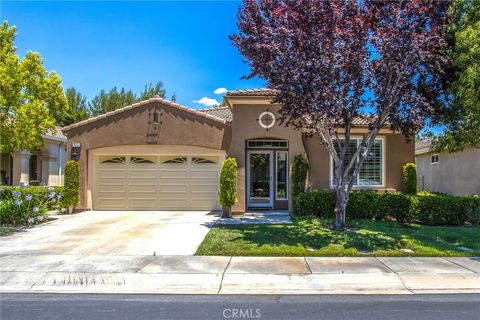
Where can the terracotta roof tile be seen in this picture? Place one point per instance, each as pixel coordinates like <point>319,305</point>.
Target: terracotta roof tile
<point>220,112</point>
<point>56,133</point>
<point>252,92</point>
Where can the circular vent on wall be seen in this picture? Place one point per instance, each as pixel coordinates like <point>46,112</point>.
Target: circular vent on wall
<point>266,119</point>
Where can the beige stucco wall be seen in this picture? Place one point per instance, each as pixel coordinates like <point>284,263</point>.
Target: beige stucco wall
<point>455,173</point>
<point>131,127</point>
<point>245,126</point>
<point>397,153</point>
<point>54,157</point>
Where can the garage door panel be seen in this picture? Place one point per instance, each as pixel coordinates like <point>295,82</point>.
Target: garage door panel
<point>173,173</point>
<point>203,203</point>
<point>172,182</point>
<point>146,203</point>
<point>156,186</point>
<point>171,204</point>
<point>112,203</point>
<point>205,188</point>
<point>168,189</point>
<point>173,196</point>
<point>142,174</point>
<point>204,175</point>
<point>112,174</point>
<point>111,187</point>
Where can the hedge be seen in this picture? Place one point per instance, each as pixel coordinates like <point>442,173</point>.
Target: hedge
<point>424,207</point>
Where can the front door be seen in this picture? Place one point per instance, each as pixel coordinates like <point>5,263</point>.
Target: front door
<point>260,179</point>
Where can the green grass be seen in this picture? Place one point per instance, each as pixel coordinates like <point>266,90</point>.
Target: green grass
<point>313,237</point>
<point>6,230</point>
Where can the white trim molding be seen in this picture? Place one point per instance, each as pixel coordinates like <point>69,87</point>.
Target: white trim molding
<point>286,175</point>
<point>357,186</point>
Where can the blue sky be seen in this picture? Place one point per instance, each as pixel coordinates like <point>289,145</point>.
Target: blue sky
<point>98,45</point>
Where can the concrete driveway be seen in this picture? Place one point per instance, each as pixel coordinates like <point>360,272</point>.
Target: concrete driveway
<point>115,233</point>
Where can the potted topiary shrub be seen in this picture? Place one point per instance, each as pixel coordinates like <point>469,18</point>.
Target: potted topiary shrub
<point>228,186</point>
<point>71,192</point>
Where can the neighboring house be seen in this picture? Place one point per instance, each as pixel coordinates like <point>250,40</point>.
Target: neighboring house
<point>454,173</point>
<point>42,166</point>
<point>157,154</point>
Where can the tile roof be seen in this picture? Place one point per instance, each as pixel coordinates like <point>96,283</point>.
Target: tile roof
<point>252,92</point>
<point>220,112</point>
<point>363,120</point>
<point>56,133</point>
<point>142,103</point>
<point>423,146</point>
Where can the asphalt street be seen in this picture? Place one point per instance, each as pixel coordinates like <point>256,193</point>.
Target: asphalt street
<point>156,307</point>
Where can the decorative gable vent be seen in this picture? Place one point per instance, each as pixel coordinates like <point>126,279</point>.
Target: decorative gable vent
<point>154,122</point>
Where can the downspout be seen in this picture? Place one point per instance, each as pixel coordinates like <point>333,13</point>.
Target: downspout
<point>60,164</point>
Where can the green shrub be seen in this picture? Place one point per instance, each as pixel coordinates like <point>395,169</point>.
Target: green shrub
<point>424,207</point>
<point>318,203</point>
<point>71,195</point>
<point>364,205</point>
<point>299,174</point>
<point>438,209</point>
<point>473,208</point>
<point>410,178</point>
<point>27,205</point>
<point>228,183</point>
<point>396,205</point>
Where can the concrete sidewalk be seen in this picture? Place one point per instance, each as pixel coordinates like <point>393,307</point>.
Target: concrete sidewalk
<point>237,275</point>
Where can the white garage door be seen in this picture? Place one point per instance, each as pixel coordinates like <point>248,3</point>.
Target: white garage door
<point>178,182</point>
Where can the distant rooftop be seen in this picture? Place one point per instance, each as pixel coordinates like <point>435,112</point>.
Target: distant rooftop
<point>423,146</point>
<point>56,133</point>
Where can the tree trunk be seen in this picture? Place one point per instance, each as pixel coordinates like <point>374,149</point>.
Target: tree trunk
<point>340,209</point>
<point>226,212</point>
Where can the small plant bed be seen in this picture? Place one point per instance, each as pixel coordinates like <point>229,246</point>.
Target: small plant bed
<point>25,206</point>
<point>5,231</point>
<point>312,236</point>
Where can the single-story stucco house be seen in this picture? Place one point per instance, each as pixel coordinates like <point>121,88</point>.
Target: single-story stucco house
<point>160,155</point>
<point>455,173</point>
<point>42,166</point>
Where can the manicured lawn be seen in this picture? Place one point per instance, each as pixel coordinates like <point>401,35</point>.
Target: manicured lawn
<point>6,230</point>
<point>313,237</point>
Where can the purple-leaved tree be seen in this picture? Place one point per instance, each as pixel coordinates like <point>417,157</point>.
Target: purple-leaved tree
<point>332,62</point>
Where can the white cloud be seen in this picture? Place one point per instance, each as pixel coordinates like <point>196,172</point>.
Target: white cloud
<point>207,102</point>
<point>220,91</point>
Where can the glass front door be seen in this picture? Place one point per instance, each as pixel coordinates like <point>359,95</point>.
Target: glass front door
<point>260,178</point>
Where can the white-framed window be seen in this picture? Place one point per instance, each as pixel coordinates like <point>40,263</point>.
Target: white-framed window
<point>267,144</point>
<point>281,163</point>
<point>372,173</point>
<point>434,158</point>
